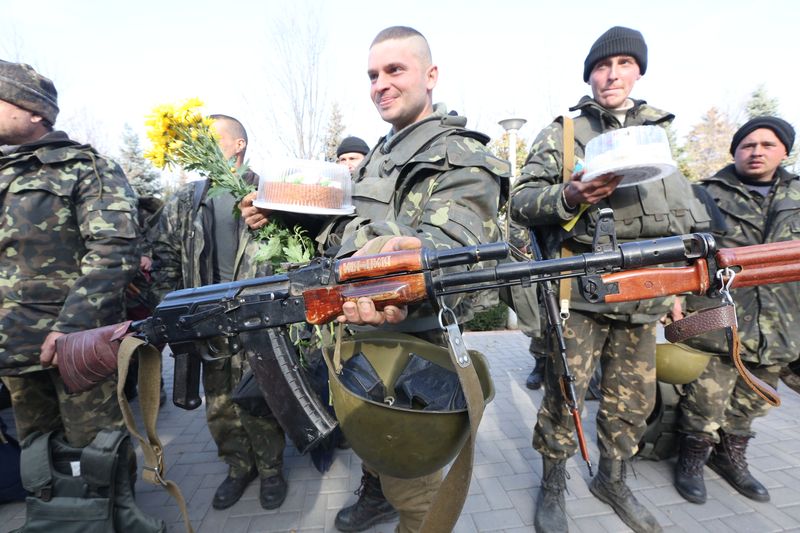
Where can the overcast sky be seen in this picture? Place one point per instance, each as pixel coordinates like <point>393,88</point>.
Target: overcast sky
<point>113,61</point>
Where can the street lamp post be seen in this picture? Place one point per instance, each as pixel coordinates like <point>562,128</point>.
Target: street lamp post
<point>512,126</point>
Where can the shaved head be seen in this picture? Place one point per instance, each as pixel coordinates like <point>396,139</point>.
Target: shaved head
<point>231,125</point>
<point>420,43</point>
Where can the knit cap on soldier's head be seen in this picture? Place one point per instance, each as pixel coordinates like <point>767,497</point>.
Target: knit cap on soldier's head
<point>22,86</point>
<point>783,130</point>
<point>352,145</point>
<point>617,41</point>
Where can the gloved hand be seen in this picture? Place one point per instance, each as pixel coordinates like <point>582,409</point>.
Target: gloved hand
<point>85,358</point>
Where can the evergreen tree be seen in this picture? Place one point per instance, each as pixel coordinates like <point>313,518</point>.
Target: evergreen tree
<point>761,104</point>
<point>333,134</point>
<point>707,145</point>
<point>499,147</point>
<point>143,176</point>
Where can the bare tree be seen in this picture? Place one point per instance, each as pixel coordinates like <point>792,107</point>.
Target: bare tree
<point>298,104</point>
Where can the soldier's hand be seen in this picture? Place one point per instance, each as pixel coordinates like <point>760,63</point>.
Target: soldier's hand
<point>363,311</point>
<point>590,192</point>
<point>48,355</point>
<point>254,217</point>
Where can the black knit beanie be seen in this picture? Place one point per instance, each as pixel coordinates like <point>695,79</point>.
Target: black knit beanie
<point>22,86</point>
<point>617,41</point>
<point>352,144</point>
<point>783,130</point>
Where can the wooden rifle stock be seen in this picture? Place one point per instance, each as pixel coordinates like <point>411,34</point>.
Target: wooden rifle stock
<point>759,264</point>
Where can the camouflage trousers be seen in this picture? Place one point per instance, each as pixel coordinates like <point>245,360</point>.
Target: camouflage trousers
<point>243,441</point>
<point>720,399</point>
<point>626,354</point>
<point>411,498</point>
<point>41,403</point>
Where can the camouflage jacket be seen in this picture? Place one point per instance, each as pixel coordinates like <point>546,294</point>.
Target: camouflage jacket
<point>652,209</point>
<point>768,315</point>
<point>434,180</point>
<point>182,242</point>
<point>68,245</point>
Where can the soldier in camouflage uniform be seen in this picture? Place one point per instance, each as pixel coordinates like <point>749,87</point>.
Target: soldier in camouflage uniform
<point>429,181</point>
<point>621,337</point>
<point>197,242</point>
<point>760,201</point>
<point>68,248</point>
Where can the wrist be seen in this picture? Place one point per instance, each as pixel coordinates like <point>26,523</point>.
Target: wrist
<point>564,199</point>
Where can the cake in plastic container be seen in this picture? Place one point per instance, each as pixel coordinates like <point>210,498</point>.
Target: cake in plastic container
<point>306,186</point>
<point>638,153</point>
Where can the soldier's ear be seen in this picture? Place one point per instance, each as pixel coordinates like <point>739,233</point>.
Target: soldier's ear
<point>36,119</point>
<point>431,77</point>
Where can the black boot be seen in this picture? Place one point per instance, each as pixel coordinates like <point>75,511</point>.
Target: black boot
<point>272,491</point>
<point>370,509</point>
<point>551,511</point>
<point>536,377</point>
<point>689,468</point>
<point>609,486</point>
<point>232,489</point>
<point>729,460</point>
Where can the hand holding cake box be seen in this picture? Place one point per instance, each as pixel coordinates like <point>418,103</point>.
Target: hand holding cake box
<point>304,186</point>
<point>638,154</point>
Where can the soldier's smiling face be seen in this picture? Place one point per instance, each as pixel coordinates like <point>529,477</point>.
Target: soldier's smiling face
<point>402,79</point>
<point>612,80</point>
<point>17,125</point>
<point>759,155</point>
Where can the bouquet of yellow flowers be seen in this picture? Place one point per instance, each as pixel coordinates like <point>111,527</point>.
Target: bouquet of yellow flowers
<point>182,137</point>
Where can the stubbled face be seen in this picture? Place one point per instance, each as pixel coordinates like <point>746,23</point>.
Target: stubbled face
<point>401,81</point>
<point>350,160</point>
<point>759,155</point>
<point>228,143</point>
<point>612,80</point>
<point>17,125</point>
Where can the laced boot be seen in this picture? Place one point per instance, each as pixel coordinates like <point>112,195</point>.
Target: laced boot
<point>536,377</point>
<point>689,468</point>
<point>551,510</point>
<point>609,486</point>
<point>370,509</point>
<point>729,460</point>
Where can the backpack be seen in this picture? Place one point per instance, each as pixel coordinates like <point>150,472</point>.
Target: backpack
<point>81,490</point>
<point>10,484</point>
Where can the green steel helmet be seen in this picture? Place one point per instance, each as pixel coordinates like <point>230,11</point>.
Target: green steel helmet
<point>403,442</point>
<point>679,364</point>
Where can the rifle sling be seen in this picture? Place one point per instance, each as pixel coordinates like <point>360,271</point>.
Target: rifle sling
<point>568,164</point>
<point>149,391</point>
<point>723,316</point>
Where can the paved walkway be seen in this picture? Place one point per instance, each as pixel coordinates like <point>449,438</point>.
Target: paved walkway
<point>505,481</point>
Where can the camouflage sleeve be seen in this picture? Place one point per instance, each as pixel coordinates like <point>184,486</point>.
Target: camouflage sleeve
<point>167,249</point>
<point>537,197</point>
<point>106,216</point>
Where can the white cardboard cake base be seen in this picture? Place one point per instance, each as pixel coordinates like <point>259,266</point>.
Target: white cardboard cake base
<point>634,174</point>
<point>308,210</point>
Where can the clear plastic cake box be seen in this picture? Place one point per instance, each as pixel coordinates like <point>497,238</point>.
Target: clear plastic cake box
<point>306,186</point>
<point>638,153</point>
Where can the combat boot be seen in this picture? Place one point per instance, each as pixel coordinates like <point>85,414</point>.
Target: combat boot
<point>694,453</point>
<point>729,460</point>
<point>551,510</point>
<point>609,486</point>
<point>536,377</point>
<point>370,509</point>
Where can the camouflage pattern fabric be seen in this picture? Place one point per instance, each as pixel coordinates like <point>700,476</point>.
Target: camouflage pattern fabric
<point>628,385</point>
<point>22,86</point>
<point>235,430</point>
<point>68,248</point>
<point>182,258</point>
<point>434,180</point>
<point>68,245</point>
<point>653,209</point>
<point>768,316</point>
<point>42,404</point>
<point>720,399</point>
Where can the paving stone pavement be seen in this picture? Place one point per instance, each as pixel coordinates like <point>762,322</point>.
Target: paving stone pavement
<point>506,477</point>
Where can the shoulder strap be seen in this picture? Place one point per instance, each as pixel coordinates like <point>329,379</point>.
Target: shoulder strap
<point>99,458</point>
<point>149,384</point>
<point>36,463</point>
<point>567,165</point>
<point>200,189</point>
